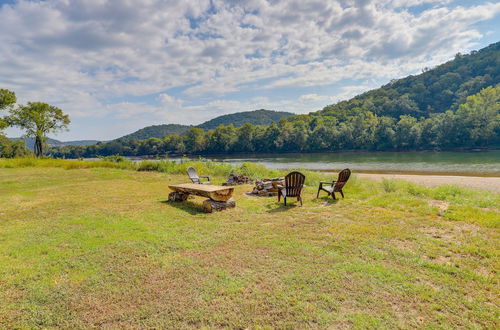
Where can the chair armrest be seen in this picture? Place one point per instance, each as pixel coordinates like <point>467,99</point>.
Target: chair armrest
<point>280,187</point>
<point>206,177</point>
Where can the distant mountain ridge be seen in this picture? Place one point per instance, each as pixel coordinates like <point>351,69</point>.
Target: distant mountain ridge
<point>30,142</point>
<point>256,117</point>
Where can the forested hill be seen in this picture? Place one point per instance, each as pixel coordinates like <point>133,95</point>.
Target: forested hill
<point>434,90</point>
<point>156,131</point>
<point>256,117</point>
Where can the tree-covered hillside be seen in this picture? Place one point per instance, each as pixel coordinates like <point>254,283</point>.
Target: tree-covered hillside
<point>156,131</point>
<point>256,117</point>
<point>435,90</point>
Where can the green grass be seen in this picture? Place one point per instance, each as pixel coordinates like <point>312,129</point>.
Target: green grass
<point>100,247</point>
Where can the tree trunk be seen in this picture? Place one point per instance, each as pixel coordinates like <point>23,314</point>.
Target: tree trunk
<point>38,146</point>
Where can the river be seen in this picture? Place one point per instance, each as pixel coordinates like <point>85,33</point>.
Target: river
<point>476,163</point>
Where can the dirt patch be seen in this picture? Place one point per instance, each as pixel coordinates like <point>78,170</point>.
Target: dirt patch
<point>440,233</point>
<point>442,206</point>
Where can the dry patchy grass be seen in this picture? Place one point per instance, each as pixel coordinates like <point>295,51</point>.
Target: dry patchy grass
<point>102,248</point>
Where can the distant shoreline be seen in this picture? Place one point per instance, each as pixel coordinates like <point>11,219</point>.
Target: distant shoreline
<point>418,173</point>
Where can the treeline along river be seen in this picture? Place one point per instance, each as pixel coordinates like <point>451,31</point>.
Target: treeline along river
<point>477,163</point>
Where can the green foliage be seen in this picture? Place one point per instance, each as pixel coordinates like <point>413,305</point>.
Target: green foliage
<point>434,91</point>
<point>12,149</point>
<point>156,131</point>
<point>114,158</point>
<point>38,119</point>
<point>256,117</point>
<point>7,98</point>
<point>479,117</point>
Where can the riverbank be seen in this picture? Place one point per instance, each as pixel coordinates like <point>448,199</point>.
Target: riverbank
<point>473,182</point>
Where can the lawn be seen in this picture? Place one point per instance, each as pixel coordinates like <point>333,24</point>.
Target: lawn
<point>101,247</point>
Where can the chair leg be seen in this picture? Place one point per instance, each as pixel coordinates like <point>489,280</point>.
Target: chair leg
<point>300,200</point>
<point>333,195</point>
<point>342,193</point>
<point>279,196</point>
<point>285,200</point>
<point>317,195</point>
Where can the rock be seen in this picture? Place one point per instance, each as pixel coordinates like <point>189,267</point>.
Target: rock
<point>210,206</point>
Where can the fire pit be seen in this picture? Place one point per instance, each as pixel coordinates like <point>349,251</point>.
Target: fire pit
<point>235,179</point>
<point>267,187</point>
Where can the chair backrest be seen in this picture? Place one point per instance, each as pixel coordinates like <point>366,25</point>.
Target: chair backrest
<point>341,181</point>
<point>294,181</point>
<point>193,175</point>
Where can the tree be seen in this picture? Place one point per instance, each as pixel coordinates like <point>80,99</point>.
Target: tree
<point>195,140</point>
<point>245,138</point>
<point>7,99</point>
<point>39,119</point>
<point>12,149</point>
<point>480,116</point>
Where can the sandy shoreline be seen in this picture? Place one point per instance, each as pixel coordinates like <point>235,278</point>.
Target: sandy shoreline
<point>474,182</point>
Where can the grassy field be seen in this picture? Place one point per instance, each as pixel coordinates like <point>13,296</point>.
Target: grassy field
<point>101,247</point>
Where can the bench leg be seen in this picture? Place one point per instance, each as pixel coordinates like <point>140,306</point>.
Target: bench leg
<point>177,196</point>
<point>210,205</point>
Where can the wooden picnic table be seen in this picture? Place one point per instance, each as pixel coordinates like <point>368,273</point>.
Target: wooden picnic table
<point>219,198</point>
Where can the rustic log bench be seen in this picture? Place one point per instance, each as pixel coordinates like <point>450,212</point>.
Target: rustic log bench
<point>219,198</point>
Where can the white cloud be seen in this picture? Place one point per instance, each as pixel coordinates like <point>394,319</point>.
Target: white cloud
<point>94,58</point>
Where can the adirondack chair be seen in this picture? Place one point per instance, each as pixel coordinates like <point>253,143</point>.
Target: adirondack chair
<point>335,186</point>
<point>294,182</point>
<point>193,175</point>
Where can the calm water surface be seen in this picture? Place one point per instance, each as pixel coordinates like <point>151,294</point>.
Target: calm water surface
<point>484,163</point>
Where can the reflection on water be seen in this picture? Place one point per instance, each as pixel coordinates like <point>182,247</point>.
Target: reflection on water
<point>477,163</point>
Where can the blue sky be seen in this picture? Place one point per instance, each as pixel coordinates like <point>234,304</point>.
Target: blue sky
<point>116,66</point>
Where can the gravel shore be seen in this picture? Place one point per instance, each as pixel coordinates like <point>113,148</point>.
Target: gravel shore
<point>475,182</point>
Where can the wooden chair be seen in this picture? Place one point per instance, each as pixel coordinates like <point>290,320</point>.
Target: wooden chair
<point>335,186</point>
<point>294,182</point>
<point>193,175</point>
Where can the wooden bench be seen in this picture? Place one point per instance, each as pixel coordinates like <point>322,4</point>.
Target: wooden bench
<point>219,198</point>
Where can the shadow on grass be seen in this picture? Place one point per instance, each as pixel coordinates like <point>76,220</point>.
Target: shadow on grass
<point>186,206</point>
<point>327,200</point>
<point>280,207</point>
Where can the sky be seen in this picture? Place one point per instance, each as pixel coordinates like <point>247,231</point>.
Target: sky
<point>116,66</point>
